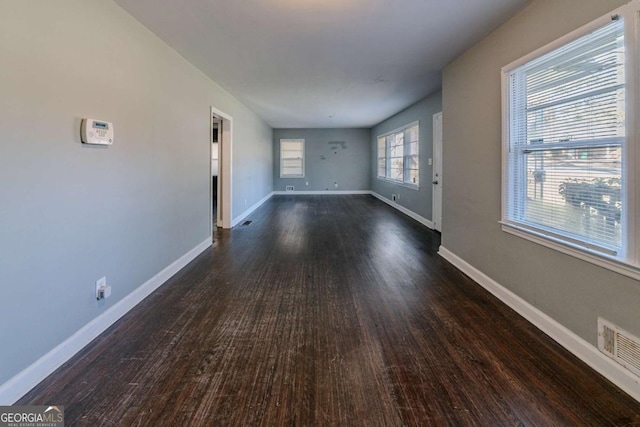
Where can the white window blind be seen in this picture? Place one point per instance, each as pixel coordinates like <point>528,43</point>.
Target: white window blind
<point>292,158</point>
<point>398,155</point>
<point>411,167</point>
<point>382,157</point>
<point>566,142</point>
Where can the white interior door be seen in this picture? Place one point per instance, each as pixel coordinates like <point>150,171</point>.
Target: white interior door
<point>225,138</point>
<point>437,171</point>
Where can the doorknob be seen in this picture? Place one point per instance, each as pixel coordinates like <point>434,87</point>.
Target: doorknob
<point>435,182</point>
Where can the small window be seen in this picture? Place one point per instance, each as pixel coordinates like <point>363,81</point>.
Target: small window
<point>398,158</point>
<point>292,158</point>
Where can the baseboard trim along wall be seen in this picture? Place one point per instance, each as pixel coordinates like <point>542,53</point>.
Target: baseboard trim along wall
<point>563,336</point>
<point>25,380</point>
<point>323,193</point>
<point>422,220</point>
<point>249,211</point>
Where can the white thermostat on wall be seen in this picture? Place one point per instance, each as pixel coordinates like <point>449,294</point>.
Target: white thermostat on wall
<point>96,132</point>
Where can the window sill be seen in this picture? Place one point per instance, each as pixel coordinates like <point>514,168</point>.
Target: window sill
<point>401,184</point>
<point>292,176</point>
<point>601,260</point>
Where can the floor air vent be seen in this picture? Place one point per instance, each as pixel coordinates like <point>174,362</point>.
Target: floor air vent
<point>619,345</point>
<point>247,223</point>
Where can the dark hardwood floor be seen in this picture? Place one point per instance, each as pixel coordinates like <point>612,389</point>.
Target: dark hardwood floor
<point>328,311</point>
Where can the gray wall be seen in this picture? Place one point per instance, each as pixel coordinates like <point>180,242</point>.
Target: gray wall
<point>72,213</point>
<point>418,201</point>
<point>326,160</point>
<point>571,291</point>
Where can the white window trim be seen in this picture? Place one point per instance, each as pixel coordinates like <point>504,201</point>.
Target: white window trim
<point>415,187</point>
<point>402,183</point>
<point>630,265</point>
<point>303,157</point>
<point>610,263</point>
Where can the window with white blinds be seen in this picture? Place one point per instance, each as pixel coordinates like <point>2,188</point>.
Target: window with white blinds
<point>382,157</point>
<point>398,156</point>
<point>411,167</point>
<point>292,158</point>
<point>565,142</point>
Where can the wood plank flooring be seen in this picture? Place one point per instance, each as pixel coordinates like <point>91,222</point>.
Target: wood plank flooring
<point>328,311</point>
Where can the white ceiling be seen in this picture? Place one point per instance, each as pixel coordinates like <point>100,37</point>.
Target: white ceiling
<point>323,63</point>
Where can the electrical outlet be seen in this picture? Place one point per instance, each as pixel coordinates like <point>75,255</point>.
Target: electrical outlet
<point>393,197</point>
<point>100,283</point>
<point>102,290</point>
<point>335,184</point>
<point>307,182</point>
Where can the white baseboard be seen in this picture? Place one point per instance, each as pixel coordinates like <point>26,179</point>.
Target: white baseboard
<point>322,193</point>
<point>422,220</point>
<point>24,381</point>
<point>249,211</point>
<point>582,349</point>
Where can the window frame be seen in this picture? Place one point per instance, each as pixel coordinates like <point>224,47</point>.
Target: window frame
<point>405,182</point>
<point>626,262</point>
<point>288,176</point>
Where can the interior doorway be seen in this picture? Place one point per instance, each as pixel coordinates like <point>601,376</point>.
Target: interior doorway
<point>221,143</point>
<point>216,128</point>
<point>437,172</point>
